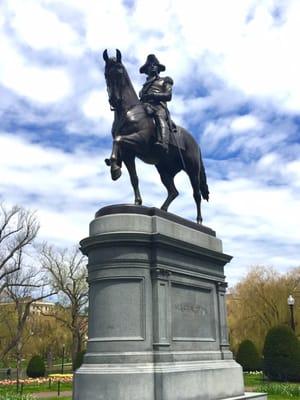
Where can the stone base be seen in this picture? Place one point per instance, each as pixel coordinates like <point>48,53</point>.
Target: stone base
<point>162,381</point>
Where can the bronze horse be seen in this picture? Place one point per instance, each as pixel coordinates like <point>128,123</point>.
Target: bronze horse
<point>134,135</point>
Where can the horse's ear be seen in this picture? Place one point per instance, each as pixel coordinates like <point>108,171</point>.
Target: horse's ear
<point>105,55</point>
<point>119,55</point>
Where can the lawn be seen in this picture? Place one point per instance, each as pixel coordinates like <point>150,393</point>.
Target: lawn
<point>34,388</point>
<point>66,398</point>
<point>51,398</point>
<point>275,397</point>
<point>276,390</point>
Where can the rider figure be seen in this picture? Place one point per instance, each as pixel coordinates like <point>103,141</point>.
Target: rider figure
<point>155,93</point>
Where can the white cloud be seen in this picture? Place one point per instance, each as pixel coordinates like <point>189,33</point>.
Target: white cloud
<point>60,185</point>
<point>41,29</point>
<point>259,58</point>
<point>292,172</point>
<point>257,223</point>
<point>44,85</point>
<point>248,54</point>
<point>261,210</point>
<point>96,106</point>
<point>245,123</point>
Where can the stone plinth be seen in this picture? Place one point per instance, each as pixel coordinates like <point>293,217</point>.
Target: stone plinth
<point>157,315</point>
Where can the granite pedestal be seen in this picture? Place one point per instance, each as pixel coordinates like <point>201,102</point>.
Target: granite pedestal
<point>157,315</point>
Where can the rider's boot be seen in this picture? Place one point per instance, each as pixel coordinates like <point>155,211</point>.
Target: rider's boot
<point>162,144</point>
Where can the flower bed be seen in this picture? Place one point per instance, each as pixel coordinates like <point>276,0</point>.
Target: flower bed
<point>63,378</point>
<point>66,378</point>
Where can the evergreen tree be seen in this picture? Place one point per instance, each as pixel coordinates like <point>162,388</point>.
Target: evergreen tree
<point>282,354</point>
<point>247,355</point>
<point>36,367</point>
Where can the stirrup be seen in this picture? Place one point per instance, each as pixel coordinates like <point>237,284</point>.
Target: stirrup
<point>161,146</point>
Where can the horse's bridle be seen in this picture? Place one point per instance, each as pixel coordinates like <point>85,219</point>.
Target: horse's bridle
<point>111,82</point>
<point>115,101</point>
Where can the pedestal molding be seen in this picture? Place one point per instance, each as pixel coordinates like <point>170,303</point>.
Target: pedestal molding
<point>165,338</point>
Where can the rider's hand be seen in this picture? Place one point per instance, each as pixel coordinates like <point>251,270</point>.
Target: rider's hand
<point>145,97</point>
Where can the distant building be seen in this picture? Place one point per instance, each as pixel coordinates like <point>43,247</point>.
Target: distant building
<point>4,297</point>
<point>37,307</point>
<point>42,307</point>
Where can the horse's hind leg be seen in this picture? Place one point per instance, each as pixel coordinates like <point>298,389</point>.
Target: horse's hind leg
<point>130,164</point>
<point>195,181</point>
<point>168,181</point>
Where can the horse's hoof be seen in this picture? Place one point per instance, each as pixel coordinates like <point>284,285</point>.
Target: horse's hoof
<point>115,173</point>
<point>199,221</point>
<point>138,202</point>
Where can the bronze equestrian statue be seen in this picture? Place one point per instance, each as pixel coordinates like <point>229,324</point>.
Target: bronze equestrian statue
<point>135,133</point>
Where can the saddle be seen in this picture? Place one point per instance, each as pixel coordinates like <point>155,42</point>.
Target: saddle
<point>175,138</point>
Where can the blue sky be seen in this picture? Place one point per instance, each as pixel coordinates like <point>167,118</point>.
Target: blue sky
<point>236,67</point>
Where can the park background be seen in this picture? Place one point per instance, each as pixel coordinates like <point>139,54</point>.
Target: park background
<point>235,66</point>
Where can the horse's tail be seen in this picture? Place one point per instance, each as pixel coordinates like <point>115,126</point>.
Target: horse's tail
<point>203,183</point>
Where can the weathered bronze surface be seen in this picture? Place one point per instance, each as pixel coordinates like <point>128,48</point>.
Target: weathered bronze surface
<point>142,128</point>
<point>155,93</point>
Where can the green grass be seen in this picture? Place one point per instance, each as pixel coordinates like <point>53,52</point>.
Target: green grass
<point>10,392</point>
<point>253,380</point>
<point>275,390</point>
<point>65,398</point>
<point>43,387</point>
<point>15,396</point>
<point>12,395</point>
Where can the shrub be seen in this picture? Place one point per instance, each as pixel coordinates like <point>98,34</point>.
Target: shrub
<point>282,354</point>
<point>247,355</point>
<point>78,360</point>
<point>36,367</point>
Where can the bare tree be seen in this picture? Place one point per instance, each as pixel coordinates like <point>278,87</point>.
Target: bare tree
<point>67,270</point>
<point>23,288</point>
<point>18,229</point>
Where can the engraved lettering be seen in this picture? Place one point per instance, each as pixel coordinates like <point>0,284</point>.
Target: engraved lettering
<point>194,308</point>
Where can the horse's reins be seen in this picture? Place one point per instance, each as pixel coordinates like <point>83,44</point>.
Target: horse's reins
<point>179,150</point>
<point>169,121</point>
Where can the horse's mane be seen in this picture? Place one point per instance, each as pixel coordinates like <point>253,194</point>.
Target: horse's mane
<point>130,91</point>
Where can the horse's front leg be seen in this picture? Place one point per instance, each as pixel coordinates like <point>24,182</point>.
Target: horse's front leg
<point>114,162</point>
<point>130,164</point>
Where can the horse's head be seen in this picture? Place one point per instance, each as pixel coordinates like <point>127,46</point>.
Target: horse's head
<point>114,76</point>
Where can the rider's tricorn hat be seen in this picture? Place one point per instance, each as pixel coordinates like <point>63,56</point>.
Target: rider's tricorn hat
<point>151,59</point>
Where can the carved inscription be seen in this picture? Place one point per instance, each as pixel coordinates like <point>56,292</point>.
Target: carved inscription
<point>192,313</point>
<point>194,308</point>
